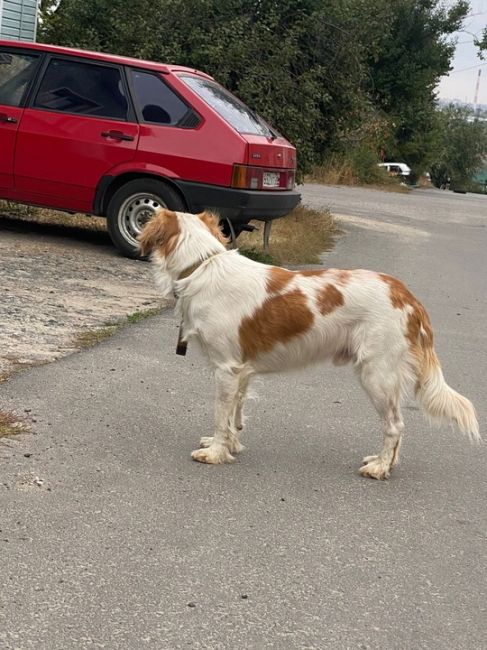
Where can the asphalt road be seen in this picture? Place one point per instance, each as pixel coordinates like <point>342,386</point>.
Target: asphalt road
<point>111,537</point>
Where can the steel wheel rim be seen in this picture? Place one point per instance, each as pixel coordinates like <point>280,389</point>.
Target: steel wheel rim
<point>135,212</point>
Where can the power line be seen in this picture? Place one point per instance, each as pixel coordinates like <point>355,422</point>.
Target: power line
<point>471,67</point>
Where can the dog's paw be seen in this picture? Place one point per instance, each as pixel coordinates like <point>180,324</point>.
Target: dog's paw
<point>234,444</point>
<point>368,459</point>
<point>213,455</point>
<point>375,468</point>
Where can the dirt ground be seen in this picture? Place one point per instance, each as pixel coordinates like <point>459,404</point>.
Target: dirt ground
<point>59,282</point>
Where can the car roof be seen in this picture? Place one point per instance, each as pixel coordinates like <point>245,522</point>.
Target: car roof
<point>164,68</point>
<point>398,164</point>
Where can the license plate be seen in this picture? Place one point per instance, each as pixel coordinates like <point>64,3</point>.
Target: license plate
<point>271,179</point>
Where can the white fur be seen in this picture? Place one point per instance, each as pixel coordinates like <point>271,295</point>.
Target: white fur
<point>367,329</point>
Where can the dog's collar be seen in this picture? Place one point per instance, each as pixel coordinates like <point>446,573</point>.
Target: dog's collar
<point>191,269</point>
<point>187,272</point>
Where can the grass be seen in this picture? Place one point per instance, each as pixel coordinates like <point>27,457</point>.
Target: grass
<point>137,316</point>
<point>358,168</point>
<point>258,255</point>
<point>298,238</point>
<point>89,338</point>
<point>15,365</point>
<point>10,424</point>
<point>344,176</point>
<point>83,340</point>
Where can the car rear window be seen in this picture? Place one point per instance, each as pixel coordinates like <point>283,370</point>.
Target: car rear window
<point>157,103</point>
<point>231,109</point>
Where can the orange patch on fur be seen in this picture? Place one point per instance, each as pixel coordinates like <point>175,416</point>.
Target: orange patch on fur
<point>419,325</point>
<point>401,297</point>
<point>340,276</point>
<point>212,222</point>
<point>329,298</point>
<point>419,332</point>
<point>278,279</point>
<point>343,277</point>
<point>398,292</point>
<point>161,232</point>
<point>280,319</point>
<point>310,273</point>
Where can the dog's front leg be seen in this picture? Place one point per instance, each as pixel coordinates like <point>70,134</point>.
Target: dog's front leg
<point>236,420</point>
<point>241,395</point>
<point>227,385</point>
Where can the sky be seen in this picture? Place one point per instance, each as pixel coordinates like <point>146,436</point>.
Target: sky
<point>462,80</point>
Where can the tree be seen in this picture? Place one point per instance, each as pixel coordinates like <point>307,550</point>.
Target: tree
<point>329,74</point>
<point>462,147</point>
<point>46,8</point>
<point>481,43</point>
<point>409,52</point>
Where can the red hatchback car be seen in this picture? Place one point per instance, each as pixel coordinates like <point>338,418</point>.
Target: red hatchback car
<point>119,137</point>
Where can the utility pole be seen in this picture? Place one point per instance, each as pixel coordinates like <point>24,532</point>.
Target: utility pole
<point>476,98</point>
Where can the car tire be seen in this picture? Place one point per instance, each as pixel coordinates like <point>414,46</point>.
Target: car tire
<point>132,206</point>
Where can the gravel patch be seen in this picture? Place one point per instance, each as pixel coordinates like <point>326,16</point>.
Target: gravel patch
<point>59,282</point>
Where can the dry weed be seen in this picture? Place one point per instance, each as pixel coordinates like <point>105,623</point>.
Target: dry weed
<point>298,238</point>
<point>54,217</point>
<point>10,424</point>
<point>340,172</point>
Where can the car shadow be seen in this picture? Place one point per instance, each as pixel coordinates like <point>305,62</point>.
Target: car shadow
<point>55,231</point>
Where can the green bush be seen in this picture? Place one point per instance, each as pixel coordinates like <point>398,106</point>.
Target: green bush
<point>364,164</point>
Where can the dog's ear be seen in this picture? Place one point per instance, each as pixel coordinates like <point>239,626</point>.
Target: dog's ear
<point>160,232</point>
<point>212,222</point>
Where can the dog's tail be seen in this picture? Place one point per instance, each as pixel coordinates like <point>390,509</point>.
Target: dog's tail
<point>439,401</point>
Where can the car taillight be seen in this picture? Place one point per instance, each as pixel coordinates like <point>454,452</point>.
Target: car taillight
<point>262,178</point>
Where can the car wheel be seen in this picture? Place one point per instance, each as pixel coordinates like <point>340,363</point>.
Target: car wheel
<point>132,206</point>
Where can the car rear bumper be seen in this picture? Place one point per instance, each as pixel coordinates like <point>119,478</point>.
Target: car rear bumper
<point>238,205</point>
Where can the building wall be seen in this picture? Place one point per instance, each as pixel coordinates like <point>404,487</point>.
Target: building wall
<point>18,19</point>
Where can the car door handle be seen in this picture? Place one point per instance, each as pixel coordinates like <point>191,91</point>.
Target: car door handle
<point>117,135</point>
<point>7,118</point>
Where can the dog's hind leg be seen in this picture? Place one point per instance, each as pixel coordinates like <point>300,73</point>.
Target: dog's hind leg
<point>384,389</point>
<point>216,449</point>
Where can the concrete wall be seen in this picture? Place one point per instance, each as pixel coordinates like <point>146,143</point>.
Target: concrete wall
<point>18,19</point>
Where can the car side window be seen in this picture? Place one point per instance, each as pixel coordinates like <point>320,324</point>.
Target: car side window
<point>16,72</point>
<point>82,88</point>
<point>157,103</point>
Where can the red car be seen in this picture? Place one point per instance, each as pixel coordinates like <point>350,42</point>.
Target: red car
<point>119,137</point>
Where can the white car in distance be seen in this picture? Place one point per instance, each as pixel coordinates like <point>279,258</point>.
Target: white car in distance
<point>396,169</point>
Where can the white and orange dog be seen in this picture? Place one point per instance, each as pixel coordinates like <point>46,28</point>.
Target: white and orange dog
<point>252,318</point>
